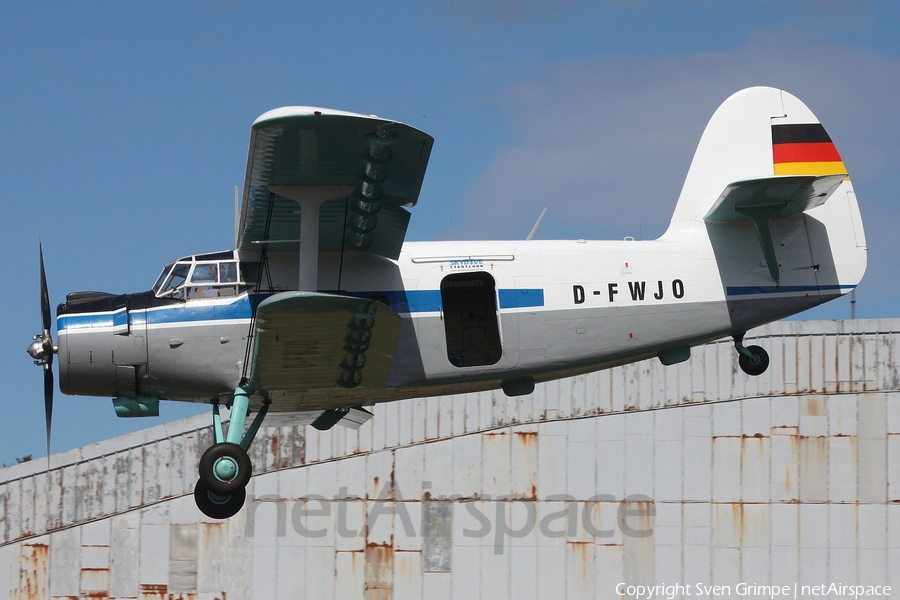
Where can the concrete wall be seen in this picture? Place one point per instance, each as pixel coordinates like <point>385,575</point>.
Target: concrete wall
<point>643,475</point>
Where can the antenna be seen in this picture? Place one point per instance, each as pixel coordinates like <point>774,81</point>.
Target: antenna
<point>536,225</point>
<point>237,215</point>
<point>853,303</point>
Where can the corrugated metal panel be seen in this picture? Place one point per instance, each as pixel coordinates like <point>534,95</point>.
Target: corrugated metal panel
<point>481,496</point>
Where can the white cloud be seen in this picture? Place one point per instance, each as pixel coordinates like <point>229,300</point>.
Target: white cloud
<point>606,143</point>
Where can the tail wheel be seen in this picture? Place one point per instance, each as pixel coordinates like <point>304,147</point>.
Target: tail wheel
<point>218,506</point>
<point>756,363</point>
<point>225,468</point>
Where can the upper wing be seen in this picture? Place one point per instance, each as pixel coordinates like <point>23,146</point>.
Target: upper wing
<point>307,340</point>
<point>363,167</point>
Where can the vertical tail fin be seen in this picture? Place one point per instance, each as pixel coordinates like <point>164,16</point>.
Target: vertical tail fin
<point>770,191</point>
<point>757,134</point>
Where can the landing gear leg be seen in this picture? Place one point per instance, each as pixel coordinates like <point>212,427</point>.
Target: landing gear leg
<point>753,360</point>
<point>225,467</point>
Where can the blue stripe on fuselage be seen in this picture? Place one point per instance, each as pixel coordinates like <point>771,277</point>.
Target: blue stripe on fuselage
<point>243,307</point>
<point>783,289</point>
<point>524,298</point>
<point>92,320</point>
<point>416,301</point>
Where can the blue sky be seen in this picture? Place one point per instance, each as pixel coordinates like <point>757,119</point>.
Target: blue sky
<point>124,129</point>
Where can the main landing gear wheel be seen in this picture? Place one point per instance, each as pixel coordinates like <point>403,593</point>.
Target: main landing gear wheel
<point>225,468</point>
<point>756,363</point>
<point>753,360</point>
<point>218,506</point>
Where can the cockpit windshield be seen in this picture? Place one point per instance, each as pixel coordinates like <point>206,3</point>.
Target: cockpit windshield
<point>162,277</point>
<point>203,276</point>
<point>176,279</point>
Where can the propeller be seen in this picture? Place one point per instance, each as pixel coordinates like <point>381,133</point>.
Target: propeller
<point>42,350</point>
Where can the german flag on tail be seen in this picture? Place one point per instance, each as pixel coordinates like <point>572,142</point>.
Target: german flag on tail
<point>805,149</point>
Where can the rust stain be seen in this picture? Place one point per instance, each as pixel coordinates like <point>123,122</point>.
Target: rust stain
<point>95,580</point>
<point>273,445</point>
<point>815,406</point>
<point>154,591</point>
<point>788,430</point>
<point>583,553</point>
<point>527,437</point>
<point>212,533</point>
<point>379,567</point>
<point>757,440</point>
<point>739,522</point>
<point>409,568</point>
<point>644,515</point>
<point>34,571</point>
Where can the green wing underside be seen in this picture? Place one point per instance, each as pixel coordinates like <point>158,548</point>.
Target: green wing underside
<point>373,168</point>
<point>306,340</point>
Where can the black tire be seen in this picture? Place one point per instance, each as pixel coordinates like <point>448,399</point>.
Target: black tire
<point>216,506</point>
<point>225,450</point>
<point>755,365</point>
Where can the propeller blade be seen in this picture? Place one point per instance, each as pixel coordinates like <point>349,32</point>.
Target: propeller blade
<point>43,352</point>
<point>48,402</point>
<point>45,295</point>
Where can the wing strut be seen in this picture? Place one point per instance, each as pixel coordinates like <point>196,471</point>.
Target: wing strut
<point>263,267</point>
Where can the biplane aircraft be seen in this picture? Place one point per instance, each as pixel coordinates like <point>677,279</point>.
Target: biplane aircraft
<point>323,310</point>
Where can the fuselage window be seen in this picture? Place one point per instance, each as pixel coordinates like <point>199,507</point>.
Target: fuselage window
<point>470,319</point>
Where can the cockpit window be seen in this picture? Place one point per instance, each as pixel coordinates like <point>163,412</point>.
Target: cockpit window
<point>177,278</point>
<point>206,273</point>
<point>228,272</point>
<point>162,277</point>
<point>206,276</point>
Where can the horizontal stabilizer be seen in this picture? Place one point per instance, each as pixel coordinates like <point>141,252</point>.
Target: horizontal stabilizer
<point>781,196</point>
<point>355,418</point>
<point>758,200</point>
